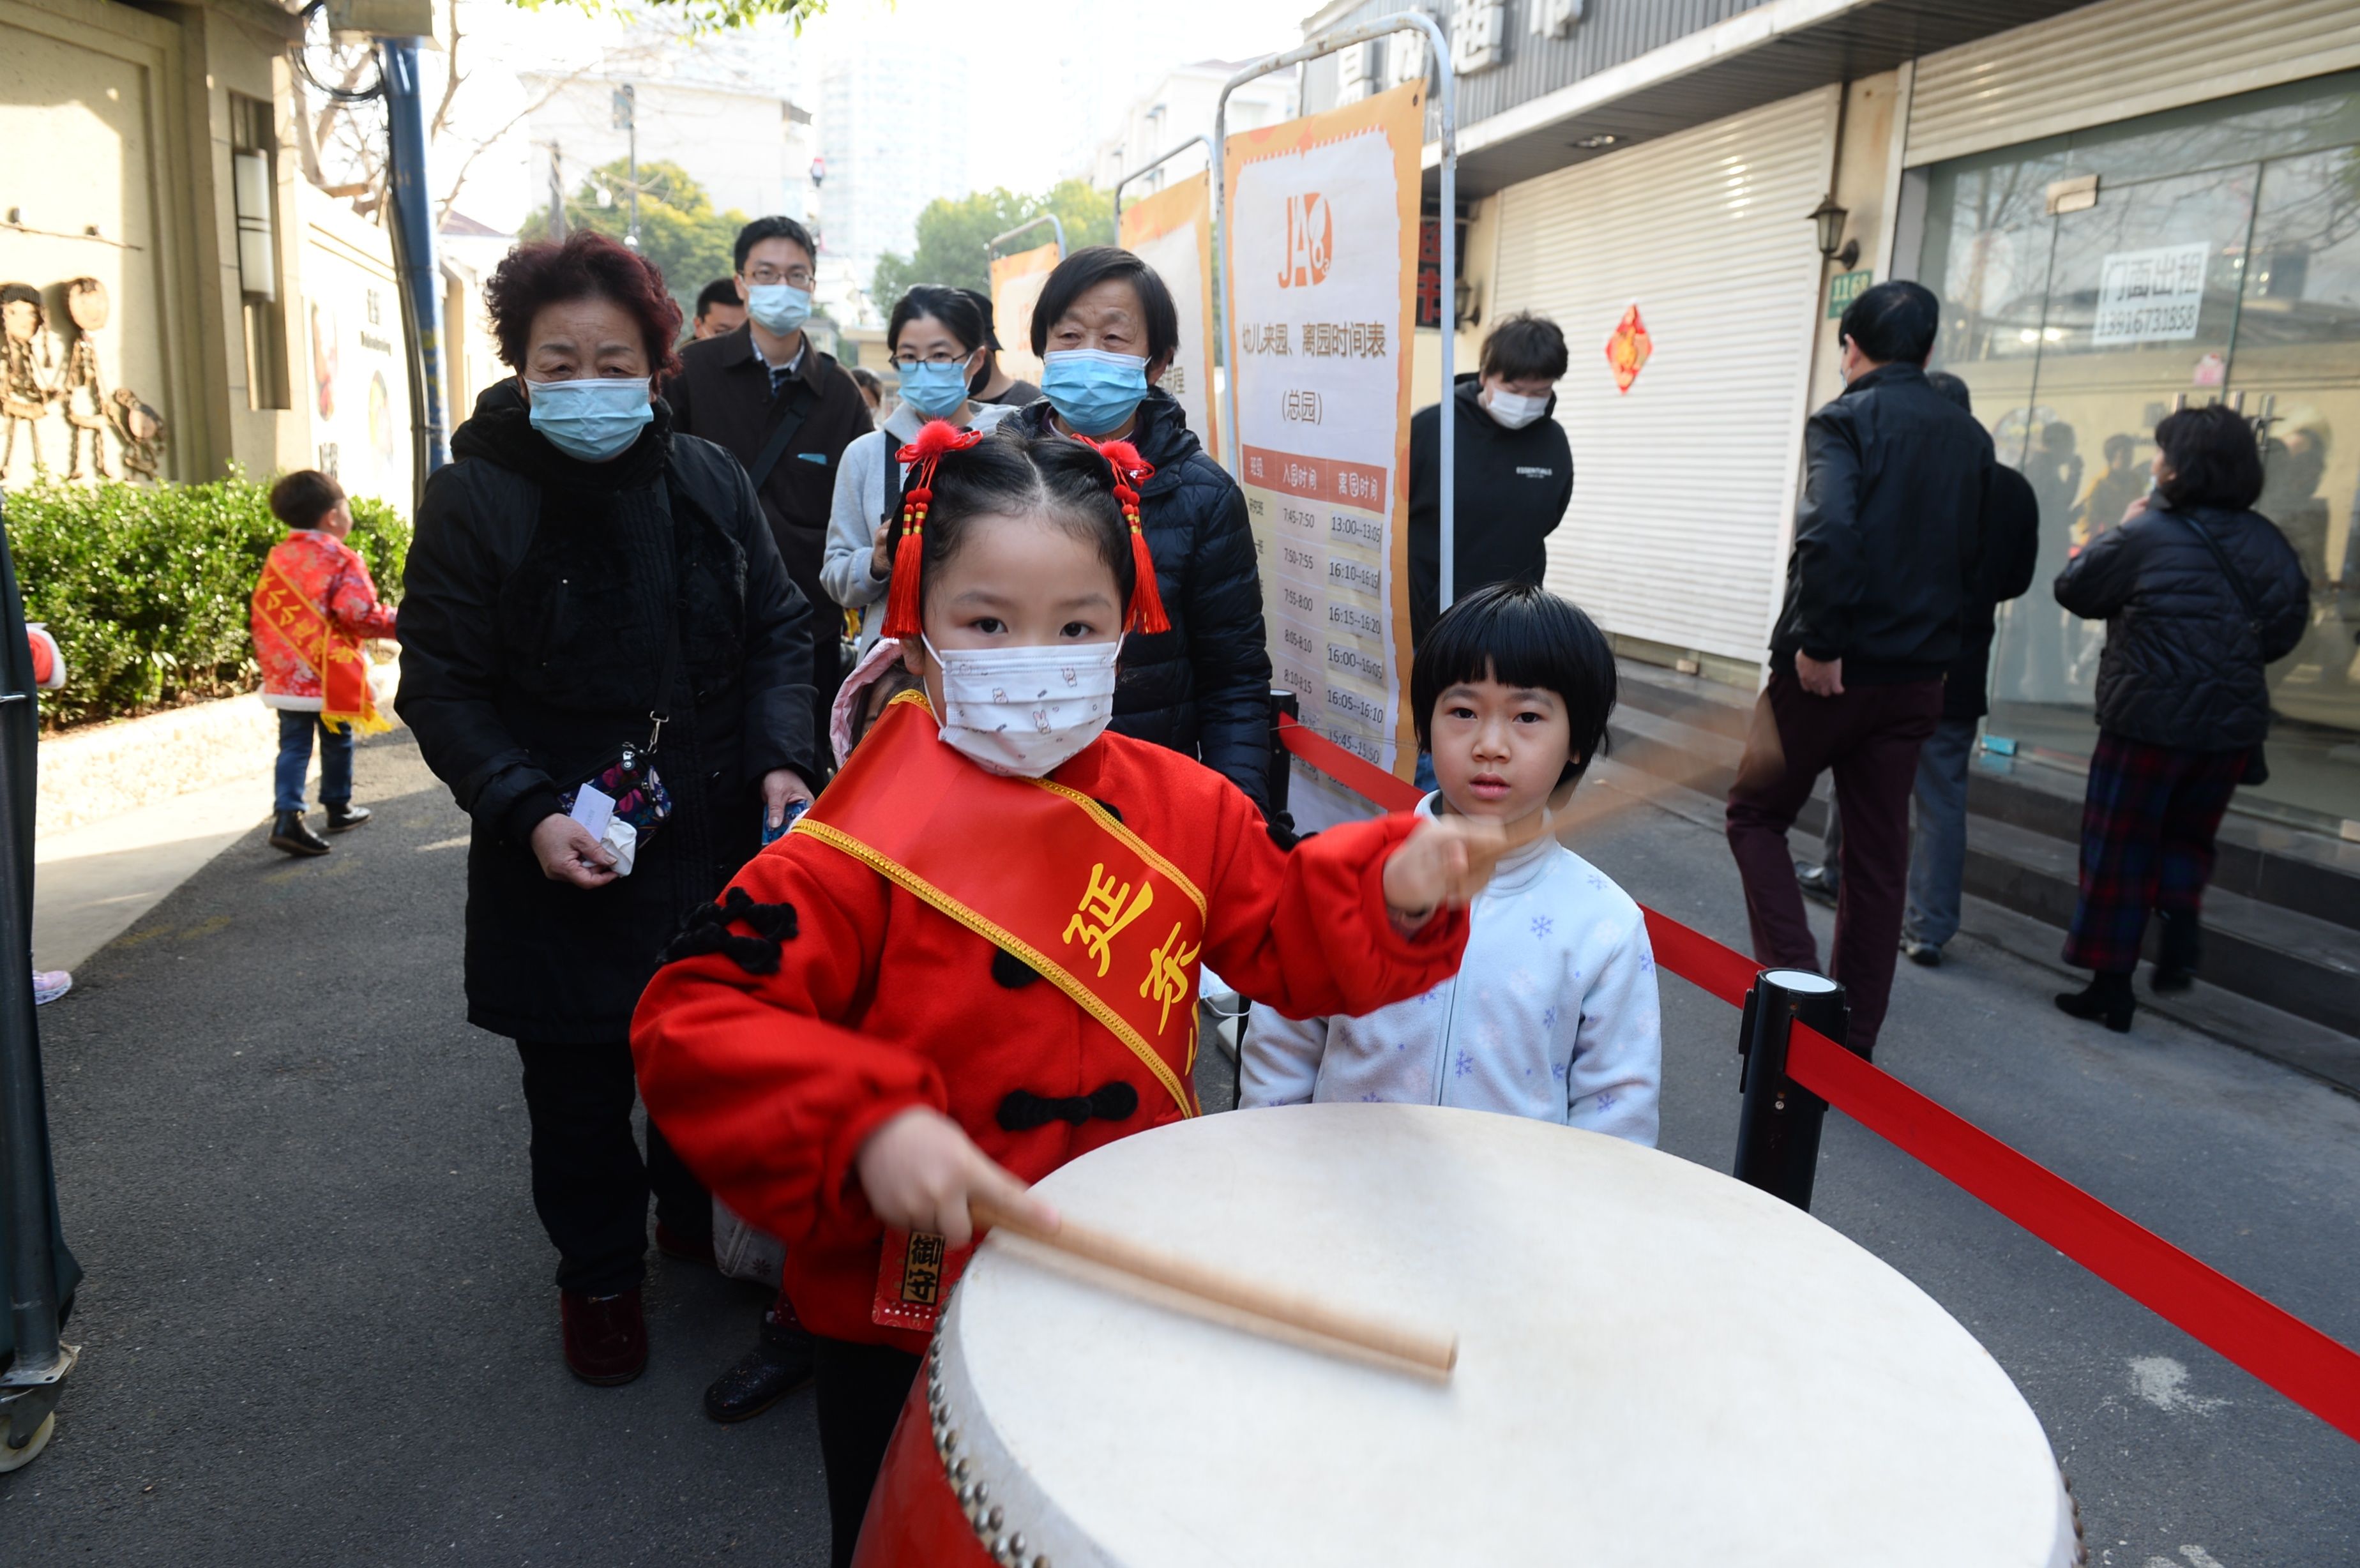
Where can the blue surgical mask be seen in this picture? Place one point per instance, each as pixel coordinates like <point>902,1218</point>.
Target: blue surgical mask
<point>1092,390</point>
<point>594,420</point>
<point>935,391</point>
<point>778,308</point>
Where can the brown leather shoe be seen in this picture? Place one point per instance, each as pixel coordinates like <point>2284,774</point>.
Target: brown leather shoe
<point>605,1336</point>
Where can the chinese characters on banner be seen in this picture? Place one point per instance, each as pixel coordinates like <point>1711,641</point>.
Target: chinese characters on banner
<point>1322,238</point>
<point>1015,283</point>
<point>1172,231</point>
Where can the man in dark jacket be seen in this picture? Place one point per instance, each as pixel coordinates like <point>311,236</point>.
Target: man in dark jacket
<point>1937,834</point>
<point>783,408</point>
<point>1884,556</point>
<point>1515,477</point>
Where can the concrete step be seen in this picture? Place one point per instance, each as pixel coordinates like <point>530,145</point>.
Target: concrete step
<point>2321,1049</point>
<point>2263,860</point>
<point>2284,956</point>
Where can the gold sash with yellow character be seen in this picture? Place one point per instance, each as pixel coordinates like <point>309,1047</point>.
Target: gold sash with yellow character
<point>1041,870</point>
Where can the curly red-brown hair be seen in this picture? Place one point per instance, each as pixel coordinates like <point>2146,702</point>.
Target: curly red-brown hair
<point>585,265</point>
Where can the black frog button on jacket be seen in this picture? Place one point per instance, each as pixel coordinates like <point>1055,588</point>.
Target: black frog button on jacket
<point>1513,487</point>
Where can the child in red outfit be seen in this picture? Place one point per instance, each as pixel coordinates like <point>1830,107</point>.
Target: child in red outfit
<point>312,609</point>
<point>993,921</point>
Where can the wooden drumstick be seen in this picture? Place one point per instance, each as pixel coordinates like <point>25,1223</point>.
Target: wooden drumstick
<point>1294,1311</point>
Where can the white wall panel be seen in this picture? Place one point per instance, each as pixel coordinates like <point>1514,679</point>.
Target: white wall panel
<point>1681,485</point>
<point>2118,59</point>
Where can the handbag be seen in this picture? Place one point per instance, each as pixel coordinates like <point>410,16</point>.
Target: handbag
<point>2257,767</point>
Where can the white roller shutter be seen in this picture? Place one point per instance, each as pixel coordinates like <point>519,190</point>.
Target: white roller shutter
<point>1680,486</point>
<point>2116,61</point>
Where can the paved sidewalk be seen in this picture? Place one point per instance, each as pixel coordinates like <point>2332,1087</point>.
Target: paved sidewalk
<point>320,1327</point>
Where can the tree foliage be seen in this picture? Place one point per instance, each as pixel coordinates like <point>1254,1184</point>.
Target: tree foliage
<point>679,231</point>
<point>952,233</point>
<point>700,16</point>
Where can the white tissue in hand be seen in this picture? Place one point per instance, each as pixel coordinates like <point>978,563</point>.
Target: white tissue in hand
<point>624,840</point>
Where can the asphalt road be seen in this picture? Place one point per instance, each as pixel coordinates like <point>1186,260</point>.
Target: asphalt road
<point>320,1327</point>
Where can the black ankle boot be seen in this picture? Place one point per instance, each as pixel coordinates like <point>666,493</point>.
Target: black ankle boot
<point>293,834</point>
<point>2176,951</point>
<point>346,815</point>
<point>780,1363</point>
<point>2108,999</point>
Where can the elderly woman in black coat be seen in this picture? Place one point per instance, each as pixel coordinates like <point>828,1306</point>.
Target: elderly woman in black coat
<point>586,581</point>
<point>2199,594</point>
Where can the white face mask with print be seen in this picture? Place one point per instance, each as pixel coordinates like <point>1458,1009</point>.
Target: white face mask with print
<point>1023,711</point>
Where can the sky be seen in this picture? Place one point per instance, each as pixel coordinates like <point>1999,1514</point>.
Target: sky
<point>1045,78</point>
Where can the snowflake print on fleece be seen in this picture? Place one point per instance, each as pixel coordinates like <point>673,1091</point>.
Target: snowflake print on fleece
<point>1554,1015</point>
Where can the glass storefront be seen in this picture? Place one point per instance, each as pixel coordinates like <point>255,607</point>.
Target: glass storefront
<point>2218,260</point>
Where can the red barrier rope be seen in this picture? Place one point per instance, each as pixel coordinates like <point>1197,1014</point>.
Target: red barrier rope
<point>2306,1365</point>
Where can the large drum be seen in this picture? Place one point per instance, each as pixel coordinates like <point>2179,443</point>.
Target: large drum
<point>1658,1365</point>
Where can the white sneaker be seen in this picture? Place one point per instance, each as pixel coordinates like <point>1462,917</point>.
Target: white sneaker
<point>48,984</point>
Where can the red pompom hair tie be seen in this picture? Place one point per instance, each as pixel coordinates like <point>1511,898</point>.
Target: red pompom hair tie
<point>901,600</point>
<point>1130,472</point>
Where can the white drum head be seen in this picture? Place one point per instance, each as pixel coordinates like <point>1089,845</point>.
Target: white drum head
<point>1657,1365</point>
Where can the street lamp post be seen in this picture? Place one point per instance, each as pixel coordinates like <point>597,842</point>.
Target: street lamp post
<point>627,118</point>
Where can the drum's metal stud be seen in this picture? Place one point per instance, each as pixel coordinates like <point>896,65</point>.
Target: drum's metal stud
<point>992,1519</point>
<point>950,1440</point>
<point>1003,1554</point>
<point>1042,1561</point>
<point>959,1471</point>
<point>982,1493</point>
<point>1016,1547</point>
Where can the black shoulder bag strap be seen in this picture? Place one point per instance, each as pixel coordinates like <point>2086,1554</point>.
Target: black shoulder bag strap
<point>2236,579</point>
<point>660,704</point>
<point>2258,767</point>
<point>782,435</point>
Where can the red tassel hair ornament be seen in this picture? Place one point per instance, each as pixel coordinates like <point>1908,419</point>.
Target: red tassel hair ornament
<point>1130,472</point>
<point>901,600</point>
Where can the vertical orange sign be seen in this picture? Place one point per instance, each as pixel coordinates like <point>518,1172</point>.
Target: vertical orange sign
<point>1322,262</point>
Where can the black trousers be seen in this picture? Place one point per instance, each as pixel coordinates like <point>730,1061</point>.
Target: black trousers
<point>589,1185</point>
<point>859,1389</point>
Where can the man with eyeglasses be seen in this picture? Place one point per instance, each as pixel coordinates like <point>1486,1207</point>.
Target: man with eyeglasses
<point>783,408</point>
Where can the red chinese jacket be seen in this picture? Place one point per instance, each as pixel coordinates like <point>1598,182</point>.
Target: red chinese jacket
<point>769,1048</point>
<point>315,598</point>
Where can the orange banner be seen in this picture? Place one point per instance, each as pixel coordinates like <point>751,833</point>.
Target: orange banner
<point>1172,231</point>
<point>1015,283</point>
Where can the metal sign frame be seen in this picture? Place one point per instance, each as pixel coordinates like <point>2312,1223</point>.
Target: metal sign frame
<point>992,247</point>
<point>1447,96</point>
<point>1158,161</point>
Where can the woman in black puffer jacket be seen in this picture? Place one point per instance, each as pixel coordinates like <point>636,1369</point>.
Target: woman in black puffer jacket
<point>1106,329</point>
<point>2199,594</point>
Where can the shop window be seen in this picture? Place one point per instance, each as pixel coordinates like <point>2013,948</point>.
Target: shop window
<point>2218,260</point>
<point>254,190</point>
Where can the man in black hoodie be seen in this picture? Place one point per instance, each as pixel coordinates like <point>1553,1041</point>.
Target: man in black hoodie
<point>1887,541</point>
<point>1515,477</point>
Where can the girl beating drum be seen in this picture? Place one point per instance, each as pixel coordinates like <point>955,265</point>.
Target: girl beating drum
<point>977,957</point>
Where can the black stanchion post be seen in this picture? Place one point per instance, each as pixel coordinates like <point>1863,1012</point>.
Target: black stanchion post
<point>1779,1127</point>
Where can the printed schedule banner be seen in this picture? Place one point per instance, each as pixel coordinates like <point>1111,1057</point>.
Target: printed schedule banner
<point>1015,283</point>
<point>1172,231</point>
<point>1322,259</point>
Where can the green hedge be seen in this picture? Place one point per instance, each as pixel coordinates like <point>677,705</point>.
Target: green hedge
<point>147,588</point>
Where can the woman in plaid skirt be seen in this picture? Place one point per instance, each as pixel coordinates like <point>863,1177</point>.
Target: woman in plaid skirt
<point>2199,594</point>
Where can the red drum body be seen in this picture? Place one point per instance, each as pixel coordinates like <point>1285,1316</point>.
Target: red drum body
<point>1658,1368</point>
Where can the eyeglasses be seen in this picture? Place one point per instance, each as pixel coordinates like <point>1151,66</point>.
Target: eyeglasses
<point>940,356</point>
<point>799,277</point>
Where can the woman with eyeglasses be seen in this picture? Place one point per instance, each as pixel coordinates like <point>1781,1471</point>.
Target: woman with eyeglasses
<point>938,339</point>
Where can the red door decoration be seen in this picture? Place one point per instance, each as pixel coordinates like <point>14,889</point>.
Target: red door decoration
<point>1628,348</point>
